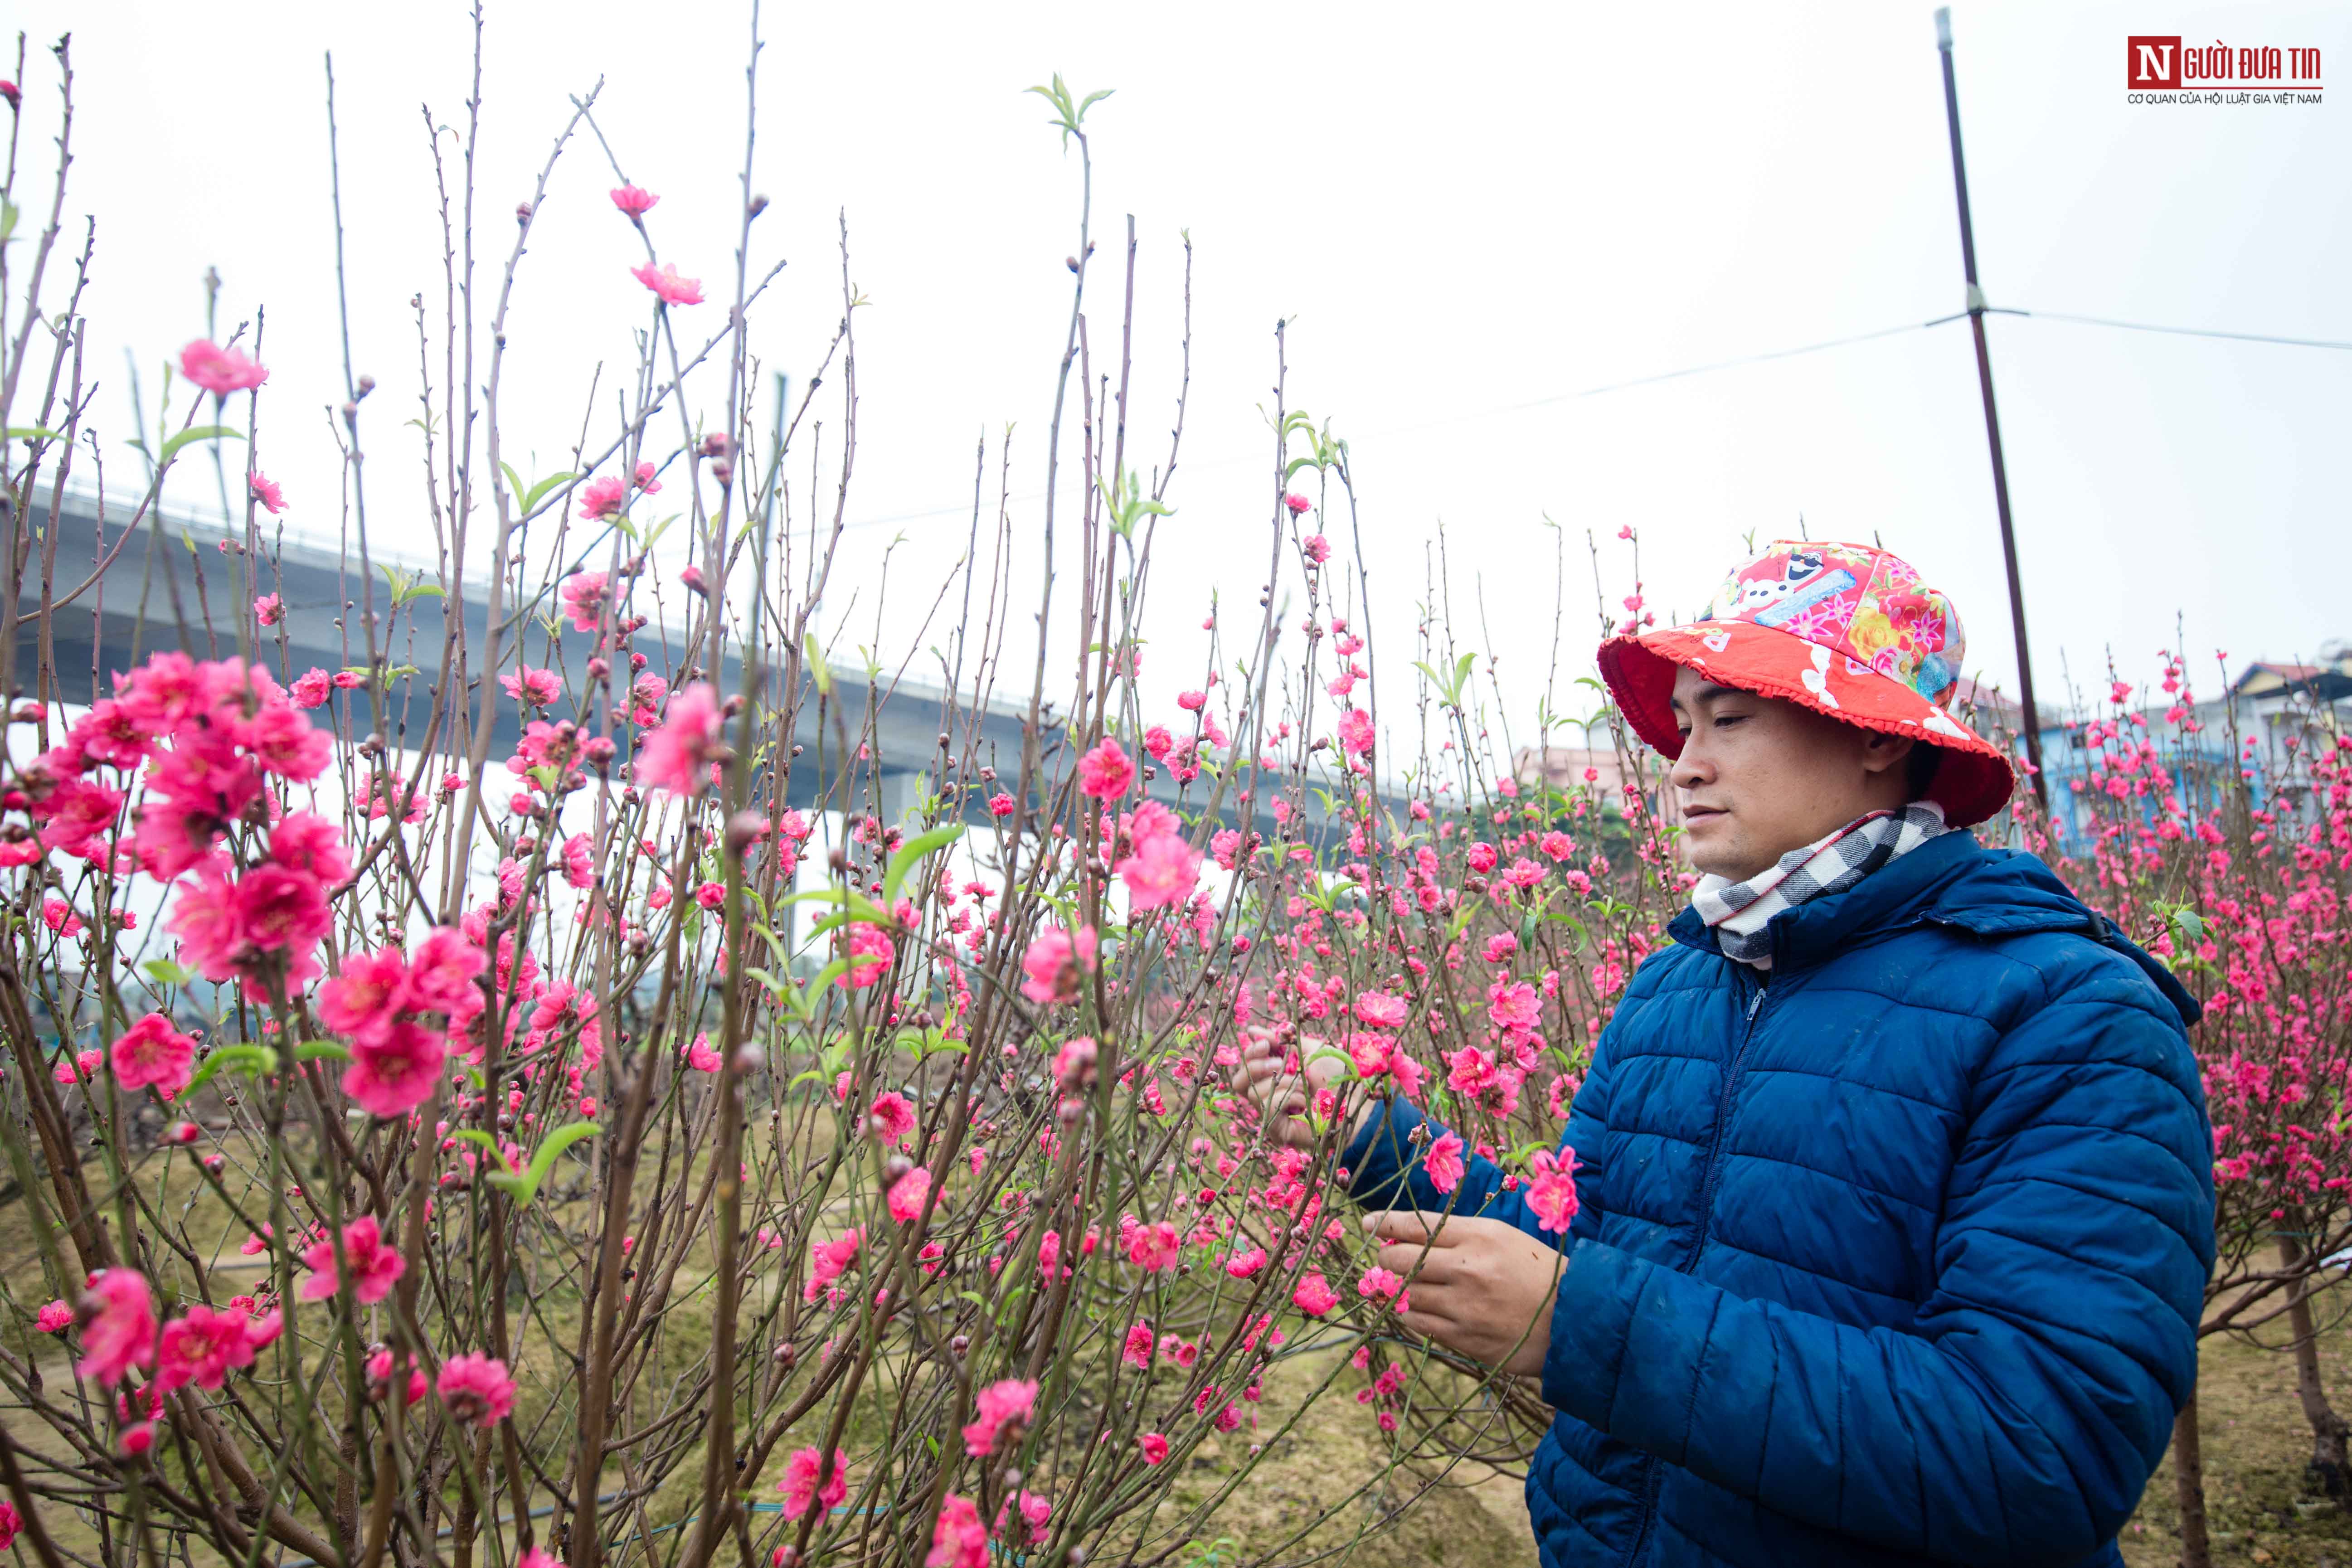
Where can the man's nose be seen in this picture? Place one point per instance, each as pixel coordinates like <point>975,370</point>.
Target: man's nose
<point>1692,769</point>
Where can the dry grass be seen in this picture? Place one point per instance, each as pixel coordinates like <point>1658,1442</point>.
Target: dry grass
<point>2256,1444</point>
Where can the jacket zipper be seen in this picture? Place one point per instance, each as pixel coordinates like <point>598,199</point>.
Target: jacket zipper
<point>1653,1480</point>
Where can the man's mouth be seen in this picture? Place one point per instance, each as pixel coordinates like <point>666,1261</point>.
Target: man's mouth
<point>1701,812</point>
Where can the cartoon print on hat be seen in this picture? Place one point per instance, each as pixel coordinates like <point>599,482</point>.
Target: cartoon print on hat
<point>1865,604</point>
<point>1847,630</point>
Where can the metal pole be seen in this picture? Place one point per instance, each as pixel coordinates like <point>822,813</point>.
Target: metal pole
<point>2031,722</point>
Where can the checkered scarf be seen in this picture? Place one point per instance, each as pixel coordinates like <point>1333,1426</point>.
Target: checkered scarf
<point>1740,911</point>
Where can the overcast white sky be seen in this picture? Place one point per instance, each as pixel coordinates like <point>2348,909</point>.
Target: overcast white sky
<point>1464,210</point>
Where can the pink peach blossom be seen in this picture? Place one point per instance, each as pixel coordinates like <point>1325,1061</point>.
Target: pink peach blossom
<point>1012,1400</point>
<point>1106,772</point>
<point>676,757</point>
<point>119,1332</point>
<point>801,1486</point>
<point>668,285</point>
<point>892,1117</point>
<point>1155,1246</point>
<point>476,1389</point>
<point>603,498</point>
<point>1163,870</point>
<point>1552,1194</point>
<point>220,371</point>
<point>959,1539</point>
<point>393,1069</point>
<point>153,1053</point>
<point>909,1194</point>
<point>1056,964</point>
<point>1443,1163</point>
<point>202,1347</point>
<point>373,1263</point>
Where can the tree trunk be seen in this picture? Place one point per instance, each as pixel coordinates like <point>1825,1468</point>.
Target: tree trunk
<point>2330,1472</point>
<point>2189,1487</point>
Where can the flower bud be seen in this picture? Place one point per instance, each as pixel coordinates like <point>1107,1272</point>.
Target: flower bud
<point>522,211</point>
<point>183,1134</point>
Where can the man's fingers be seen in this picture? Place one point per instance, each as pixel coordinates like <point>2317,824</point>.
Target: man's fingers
<point>1434,1267</point>
<point>1411,1225</point>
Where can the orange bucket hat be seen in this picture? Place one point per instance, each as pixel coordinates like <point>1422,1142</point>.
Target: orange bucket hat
<point>1848,631</point>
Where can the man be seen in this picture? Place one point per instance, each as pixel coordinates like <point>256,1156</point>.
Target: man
<point>1893,1171</point>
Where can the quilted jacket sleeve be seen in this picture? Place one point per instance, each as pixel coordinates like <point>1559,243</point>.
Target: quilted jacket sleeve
<point>1385,1170</point>
<point>2022,1419</point>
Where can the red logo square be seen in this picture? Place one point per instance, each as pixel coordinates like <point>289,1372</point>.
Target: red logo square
<point>2154,62</point>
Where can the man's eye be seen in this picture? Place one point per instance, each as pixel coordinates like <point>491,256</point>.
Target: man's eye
<point>1722,720</point>
<point>1683,734</point>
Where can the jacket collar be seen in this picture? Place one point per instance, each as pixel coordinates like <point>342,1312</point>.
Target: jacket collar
<point>1951,881</point>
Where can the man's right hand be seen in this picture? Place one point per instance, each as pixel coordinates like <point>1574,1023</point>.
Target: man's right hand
<point>1283,1097</point>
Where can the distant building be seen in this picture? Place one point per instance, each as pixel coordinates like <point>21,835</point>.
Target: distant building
<point>2248,733</point>
<point>1578,767</point>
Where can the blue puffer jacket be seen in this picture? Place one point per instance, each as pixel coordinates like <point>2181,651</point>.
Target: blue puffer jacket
<point>1896,1258</point>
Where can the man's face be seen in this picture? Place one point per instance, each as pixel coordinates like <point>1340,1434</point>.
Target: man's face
<point>1759,777</point>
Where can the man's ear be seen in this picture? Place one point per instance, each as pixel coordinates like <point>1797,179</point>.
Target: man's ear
<point>1882,752</point>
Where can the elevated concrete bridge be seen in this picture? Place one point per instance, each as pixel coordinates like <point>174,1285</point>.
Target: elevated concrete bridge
<point>105,630</point>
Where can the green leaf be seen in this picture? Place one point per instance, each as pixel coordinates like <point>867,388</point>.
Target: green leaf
<point>525,1186</point>
<point>163,972</point>
<point>476,1135</point>
<point>515,485</point>
<point>910,854</point>
<point>539,491</point>
<point>323,1051</point>
<point>819,671</point>
<point>251,1060</point>
<point>815,988</point>
<point>34,433</point>
<point>196,433</point>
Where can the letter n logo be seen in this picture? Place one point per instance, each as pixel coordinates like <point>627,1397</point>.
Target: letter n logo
<point>2155,63</point>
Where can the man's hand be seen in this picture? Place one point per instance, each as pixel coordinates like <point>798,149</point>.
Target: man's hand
<point>1485,1288</point>
<point>1282,1096</point>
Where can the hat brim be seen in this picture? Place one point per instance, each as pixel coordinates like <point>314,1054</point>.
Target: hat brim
<point>1974,780</point>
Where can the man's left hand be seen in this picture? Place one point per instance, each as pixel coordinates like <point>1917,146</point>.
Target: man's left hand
<point>1485,1288</point>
